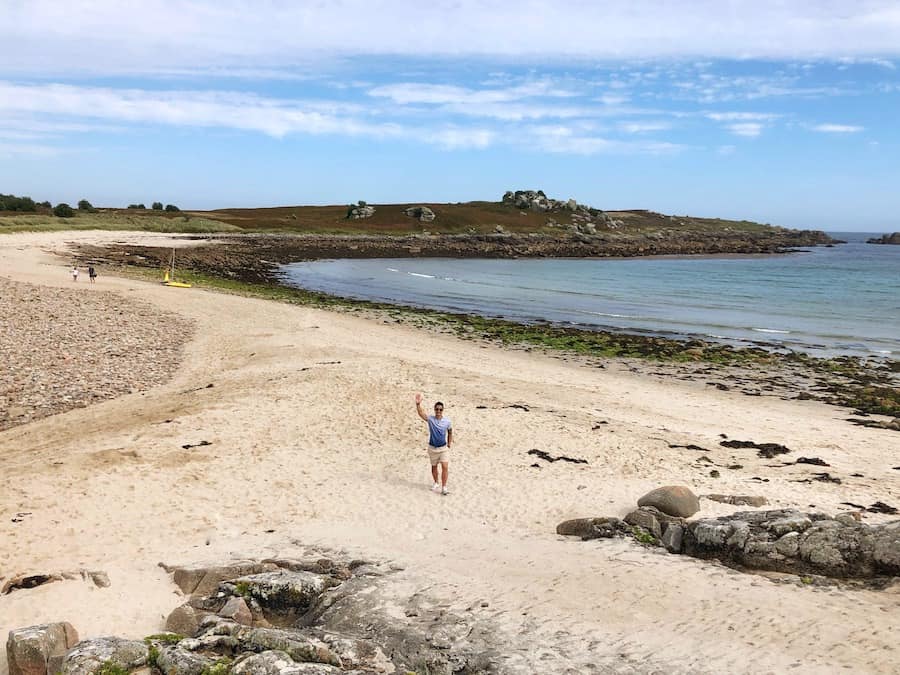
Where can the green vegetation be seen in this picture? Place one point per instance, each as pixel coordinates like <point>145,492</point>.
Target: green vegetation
<point>641,535</point>
<point>152,655</point>
<point>221,667</point>
<point>242,588</point>
<point>13,203</point>
<point>391,219</point>
<point>63,210</point>
<point>111,668</point>
<point>112,221</point>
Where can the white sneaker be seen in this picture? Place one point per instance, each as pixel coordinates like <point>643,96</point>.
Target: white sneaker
<point>435,487</point>
<point>445,491</point>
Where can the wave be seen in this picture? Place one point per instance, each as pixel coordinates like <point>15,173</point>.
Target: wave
<point>424,276</point>
<point>771,330</point>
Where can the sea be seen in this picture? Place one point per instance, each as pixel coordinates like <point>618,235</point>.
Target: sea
<point>825,301</point>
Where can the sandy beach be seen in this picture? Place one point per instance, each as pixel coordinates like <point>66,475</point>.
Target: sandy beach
<point>312,440</point>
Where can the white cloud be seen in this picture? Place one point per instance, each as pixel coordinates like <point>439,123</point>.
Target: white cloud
<point>454,138</point>
<point>741,116</point>
<point>643,127</point>
<point>405,93</point>
<point>579,141</point>
<point>17,150</point>
<point>837,128</point>
<point>100,36</point>
<point>189,108</point>
<point>749,129</point>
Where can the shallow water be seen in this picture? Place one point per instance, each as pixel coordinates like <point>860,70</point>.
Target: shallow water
<point>840,300</point>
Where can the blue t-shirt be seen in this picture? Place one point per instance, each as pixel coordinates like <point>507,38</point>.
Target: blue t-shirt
<point>437,431</point>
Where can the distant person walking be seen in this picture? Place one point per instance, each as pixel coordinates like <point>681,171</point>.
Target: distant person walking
<point>74,273</point>
<point>92,274</point>
<point>440,438</point>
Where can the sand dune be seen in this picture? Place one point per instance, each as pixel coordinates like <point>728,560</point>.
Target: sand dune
<point>314,441</point>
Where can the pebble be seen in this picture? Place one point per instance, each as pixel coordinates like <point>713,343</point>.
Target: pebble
<point>66,348</point>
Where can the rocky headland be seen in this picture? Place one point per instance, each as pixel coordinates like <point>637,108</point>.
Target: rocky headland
<point>254,257</point>
<point>893,238</point>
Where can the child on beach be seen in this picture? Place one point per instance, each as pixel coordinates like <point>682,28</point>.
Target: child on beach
<point>440,438</point>
<point>92,274</point>
<point>74,273</point>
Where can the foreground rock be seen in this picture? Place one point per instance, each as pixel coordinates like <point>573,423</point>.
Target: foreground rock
<point>790,541</point>
<point>89,656</point>
<point>39,649</point>
<point>674,500</point>
<point>781,540</point>
<point>278,616</point>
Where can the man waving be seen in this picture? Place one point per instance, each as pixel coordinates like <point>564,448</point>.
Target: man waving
<point>440,438</point>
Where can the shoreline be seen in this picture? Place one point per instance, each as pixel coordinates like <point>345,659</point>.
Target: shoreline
<point>869,384</point>
<point>314,442</point>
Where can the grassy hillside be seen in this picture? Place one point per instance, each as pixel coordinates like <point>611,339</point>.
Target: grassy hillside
<point>459,218</point>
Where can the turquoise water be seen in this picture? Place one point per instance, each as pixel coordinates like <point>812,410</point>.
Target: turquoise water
<point>840,300</point>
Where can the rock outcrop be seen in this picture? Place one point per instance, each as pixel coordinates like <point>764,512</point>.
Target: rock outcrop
<point>781,540</point>
<point>585,220</point>
<point>421,213</point>
<point>893,238</point>
<point>279,616</point>
<point>39,649</point>
<point>791,541</point>
<point>90,656</point>
<point>360,211</point>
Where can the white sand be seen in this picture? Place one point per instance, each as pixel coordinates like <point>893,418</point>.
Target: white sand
<point>314,435</point>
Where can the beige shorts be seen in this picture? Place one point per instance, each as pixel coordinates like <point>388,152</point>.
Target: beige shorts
<point>438,455</point>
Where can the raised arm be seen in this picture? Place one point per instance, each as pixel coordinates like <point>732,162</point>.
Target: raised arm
<point>419,407</point>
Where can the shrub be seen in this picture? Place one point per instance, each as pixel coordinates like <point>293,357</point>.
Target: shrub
<point>85,205</point>
<point>171,208</point>
<point>136,206</point>
<point>63,210</point>
<point>45,205</point>
<point>157,206</point>
<point>13,203</point>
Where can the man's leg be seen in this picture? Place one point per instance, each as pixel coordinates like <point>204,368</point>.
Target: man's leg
<point>445,466</point>
<point>434,473</point>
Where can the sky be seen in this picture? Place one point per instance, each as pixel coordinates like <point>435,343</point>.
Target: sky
<point>780,112</point>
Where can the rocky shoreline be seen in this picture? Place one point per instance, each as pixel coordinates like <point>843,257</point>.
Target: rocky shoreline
<point>257,257</point>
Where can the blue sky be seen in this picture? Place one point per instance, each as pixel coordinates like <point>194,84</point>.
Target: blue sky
<point>778,112</point>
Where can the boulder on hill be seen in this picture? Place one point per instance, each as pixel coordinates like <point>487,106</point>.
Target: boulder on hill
<point>421,213</point>
<point>360,210</point>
